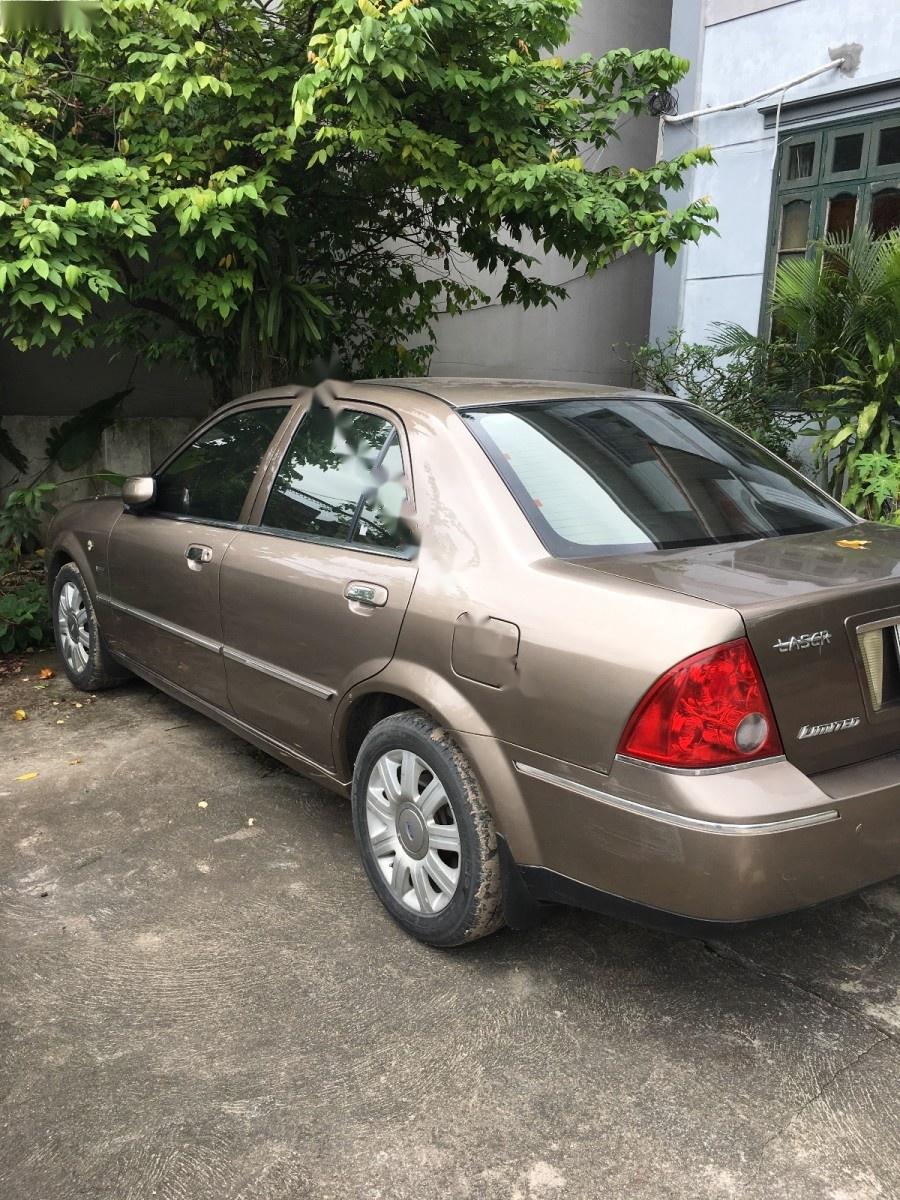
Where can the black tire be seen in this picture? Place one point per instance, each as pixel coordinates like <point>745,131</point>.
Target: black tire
<point>476,906</point>
<point>100,669</point>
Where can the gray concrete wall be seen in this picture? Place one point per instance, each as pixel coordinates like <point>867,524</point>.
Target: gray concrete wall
<point>38,382</point>
<point>38,391</point>
<point>131,446</point>
<point>742,47</point>
<point>584,337</point>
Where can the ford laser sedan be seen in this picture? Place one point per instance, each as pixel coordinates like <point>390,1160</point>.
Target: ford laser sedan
<point>556,642</point>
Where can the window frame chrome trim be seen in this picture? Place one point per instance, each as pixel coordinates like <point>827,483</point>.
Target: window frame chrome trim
<point>679,820</point>
<point>406,552</point>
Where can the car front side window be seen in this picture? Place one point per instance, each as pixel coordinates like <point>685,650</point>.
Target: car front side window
<point>341,480</point>
<point>210,478</point>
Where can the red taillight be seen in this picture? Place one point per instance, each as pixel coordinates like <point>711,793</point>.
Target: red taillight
<point>711,710</point>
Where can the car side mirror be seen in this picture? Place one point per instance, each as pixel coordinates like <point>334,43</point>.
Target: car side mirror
<point>139,491</point>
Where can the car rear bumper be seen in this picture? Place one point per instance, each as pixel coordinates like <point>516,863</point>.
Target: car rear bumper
<point>731,846</point>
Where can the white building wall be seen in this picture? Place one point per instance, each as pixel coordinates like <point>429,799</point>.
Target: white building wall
<point>742,47</point>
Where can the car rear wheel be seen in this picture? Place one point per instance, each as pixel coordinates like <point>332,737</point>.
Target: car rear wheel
<point>426,839</point>
<point>87,662</point>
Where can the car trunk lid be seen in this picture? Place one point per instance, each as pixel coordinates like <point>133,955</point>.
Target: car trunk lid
<point>821,611</point>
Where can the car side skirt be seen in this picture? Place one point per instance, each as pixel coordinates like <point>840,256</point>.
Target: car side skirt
<point>285,754</point>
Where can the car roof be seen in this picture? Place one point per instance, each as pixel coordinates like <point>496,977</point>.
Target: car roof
<point>464,391</point>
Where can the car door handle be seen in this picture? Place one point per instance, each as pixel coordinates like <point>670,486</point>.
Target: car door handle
<point>373,595</point>
<point>197,555</point>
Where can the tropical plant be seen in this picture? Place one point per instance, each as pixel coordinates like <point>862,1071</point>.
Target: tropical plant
<point>730,376</point>
<point>837,318</point>
<point>245,185</point>
<point>867,402</point>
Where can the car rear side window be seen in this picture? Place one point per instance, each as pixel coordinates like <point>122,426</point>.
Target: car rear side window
<point>341,480</point>
<point>210,479</point>
<point>600,477</point>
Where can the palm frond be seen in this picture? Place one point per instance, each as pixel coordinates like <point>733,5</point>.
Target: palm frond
<point>730,338</point>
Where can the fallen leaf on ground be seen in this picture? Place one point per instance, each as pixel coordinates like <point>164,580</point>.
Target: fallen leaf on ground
<point>73,762</point>
<point>60,721</point>
<point>28,775</point>
<point>20,715</point>
<point>77,705</point>
<point>201,804</point>
<point>47,672</point>
<point>250,820</point>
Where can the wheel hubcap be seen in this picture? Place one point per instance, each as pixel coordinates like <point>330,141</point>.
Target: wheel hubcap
<point>72,625</point>
<point>413,832</point>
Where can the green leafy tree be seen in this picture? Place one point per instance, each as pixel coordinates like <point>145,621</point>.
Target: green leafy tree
<point>245,185</point>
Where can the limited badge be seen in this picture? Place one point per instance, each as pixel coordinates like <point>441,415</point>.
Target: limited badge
<point>808,731</point>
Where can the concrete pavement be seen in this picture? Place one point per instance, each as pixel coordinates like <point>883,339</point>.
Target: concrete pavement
<point>196,1006</point>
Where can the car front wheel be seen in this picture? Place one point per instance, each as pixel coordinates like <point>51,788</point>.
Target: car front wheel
<point>426,838</point>
<point>88,663</point>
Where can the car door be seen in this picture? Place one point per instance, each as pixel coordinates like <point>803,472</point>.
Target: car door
<point>164,561</point>
<point>312,598</point>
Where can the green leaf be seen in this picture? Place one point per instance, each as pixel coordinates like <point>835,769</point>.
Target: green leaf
<point>866,418</point>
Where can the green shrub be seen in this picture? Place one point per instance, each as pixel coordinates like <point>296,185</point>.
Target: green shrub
<point>24,615</point>
<point>22,517</point>
<point>875,491</point>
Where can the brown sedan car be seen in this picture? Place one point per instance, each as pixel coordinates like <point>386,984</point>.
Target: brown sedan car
<point>557,642</point>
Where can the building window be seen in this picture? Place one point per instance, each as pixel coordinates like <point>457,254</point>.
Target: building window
<point>831,180</point>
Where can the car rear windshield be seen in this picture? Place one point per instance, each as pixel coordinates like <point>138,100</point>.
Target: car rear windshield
<point>600,477</point>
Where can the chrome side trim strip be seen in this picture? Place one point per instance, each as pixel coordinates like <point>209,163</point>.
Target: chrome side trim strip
<point>267,668</point>
<point>246,660</point>
<point>695,824</point>
<point>743,766</point>
<point>169,626</point>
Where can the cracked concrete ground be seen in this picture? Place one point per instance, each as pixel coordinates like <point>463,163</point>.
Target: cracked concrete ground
<point>195,1007</point>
